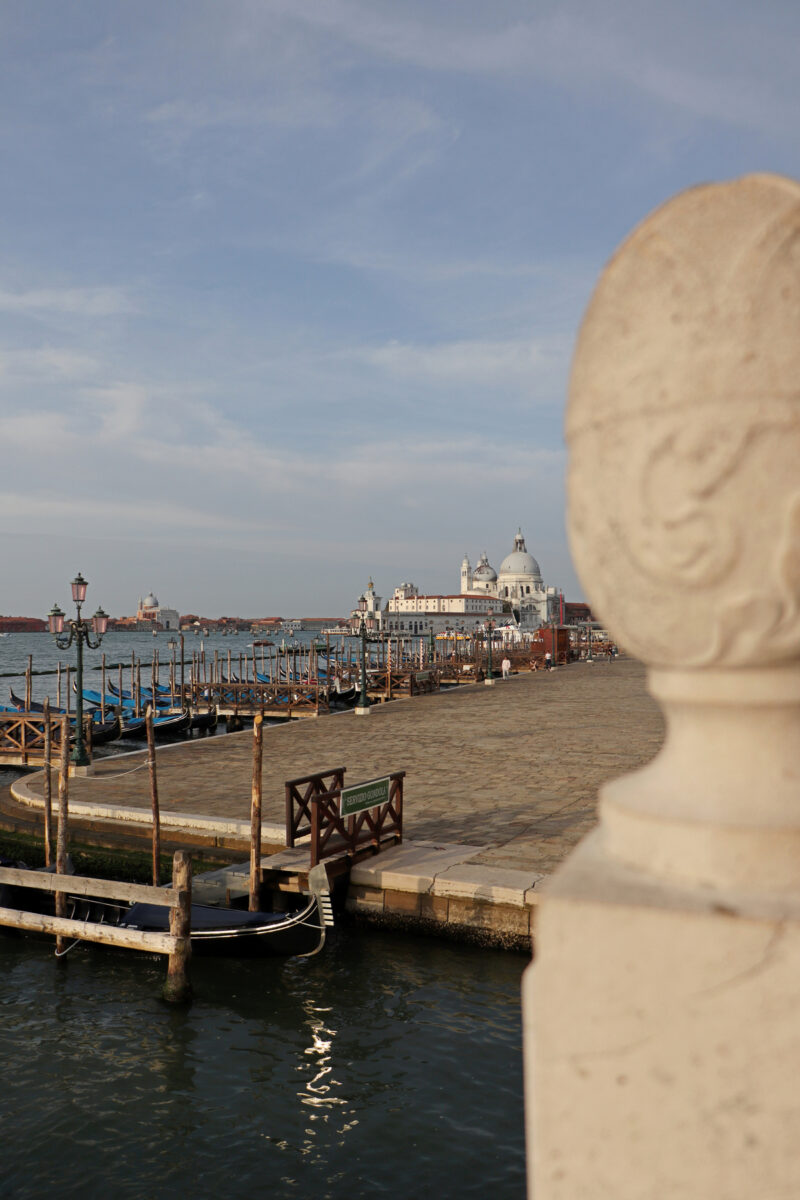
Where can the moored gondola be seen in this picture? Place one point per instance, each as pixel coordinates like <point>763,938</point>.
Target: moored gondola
<point>344,698</point>
<point>205,722</point>
<point>218,932</point>
<point>172,725</point>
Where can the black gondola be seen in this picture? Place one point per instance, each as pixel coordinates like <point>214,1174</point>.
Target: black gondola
<point>234,933</point>
<point>172,725</point>
<point>205,722</point>
<point>218,932</point>
<point>133,727</point>
<point>146,694</point>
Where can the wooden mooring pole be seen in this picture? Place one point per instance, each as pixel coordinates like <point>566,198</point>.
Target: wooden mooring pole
<point>151,768</point>
<point>255,815</point>
<point>63,816</point>
<point>177,988</point>
<point>48,784</point>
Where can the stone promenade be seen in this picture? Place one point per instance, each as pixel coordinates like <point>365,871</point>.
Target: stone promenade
<point>512,770</point>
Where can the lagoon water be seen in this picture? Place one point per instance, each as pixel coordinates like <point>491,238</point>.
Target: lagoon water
<point>385,1066</point>
<point>118,647</point>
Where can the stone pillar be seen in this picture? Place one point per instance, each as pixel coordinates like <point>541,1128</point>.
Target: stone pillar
<point>662,1013</point>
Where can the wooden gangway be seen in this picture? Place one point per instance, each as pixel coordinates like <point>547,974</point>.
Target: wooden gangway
<point>314,810</point>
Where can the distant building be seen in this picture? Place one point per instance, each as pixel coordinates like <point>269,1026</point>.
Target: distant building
<point>516,595</point>
<point>517,587</point>
<point>318,624</point>
<point>410,613</point>
<point>151,614</point>
<point>368,608</point>
<point>266,625</point>
<point>22,625</point>
<point>577,613</point>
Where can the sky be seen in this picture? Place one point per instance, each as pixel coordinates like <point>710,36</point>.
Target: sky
<point>289,288</point>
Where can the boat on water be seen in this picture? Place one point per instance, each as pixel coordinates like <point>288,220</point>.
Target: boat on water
<point>217,932</point>
<point>114,698</point>
<point>205,722</point>
<point>235,933</point>
<point>165,724</point>
<point>162,691</point>
<point>172,724</point>
<point>102,731</point>
<point>343,697</point>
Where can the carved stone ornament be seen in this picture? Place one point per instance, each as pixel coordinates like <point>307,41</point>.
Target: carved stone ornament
<point>684,515</point>
<point>684,431</point>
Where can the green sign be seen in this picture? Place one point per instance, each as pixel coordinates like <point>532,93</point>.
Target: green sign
<point>364,795</point>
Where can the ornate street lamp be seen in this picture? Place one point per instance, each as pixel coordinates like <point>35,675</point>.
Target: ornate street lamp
<point>363,699</point>
<point>78,631</point>
<point>489,627</point>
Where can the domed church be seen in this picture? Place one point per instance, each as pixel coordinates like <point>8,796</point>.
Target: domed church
<point>518,586</point>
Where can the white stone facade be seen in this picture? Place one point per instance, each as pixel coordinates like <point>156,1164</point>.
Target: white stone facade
<point>409,612</point>
<point>368,609</point>
<point>518,585</point>
<point>163,618</point>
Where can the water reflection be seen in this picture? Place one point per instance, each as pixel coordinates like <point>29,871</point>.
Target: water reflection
<point>292,1076</point>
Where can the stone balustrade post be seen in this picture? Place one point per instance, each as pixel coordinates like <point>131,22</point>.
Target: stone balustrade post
<point>662,1012</point>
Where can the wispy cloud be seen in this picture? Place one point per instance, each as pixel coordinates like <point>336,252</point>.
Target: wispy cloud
<point>47,363</point>
<point>83,302</point>
<point>493,364</point>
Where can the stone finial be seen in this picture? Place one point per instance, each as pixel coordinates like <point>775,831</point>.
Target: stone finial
<point>684,431</point>
<point>684,514</point>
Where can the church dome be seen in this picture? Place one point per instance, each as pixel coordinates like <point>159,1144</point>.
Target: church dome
<point>484,571</point>
<point>150,601</point>
<point>519,561</point>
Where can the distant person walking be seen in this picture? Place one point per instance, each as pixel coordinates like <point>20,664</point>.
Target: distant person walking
<point>506,667</point>
<point>548,661</point>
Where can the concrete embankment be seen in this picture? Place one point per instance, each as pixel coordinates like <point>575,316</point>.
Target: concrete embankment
<point>500,784</point>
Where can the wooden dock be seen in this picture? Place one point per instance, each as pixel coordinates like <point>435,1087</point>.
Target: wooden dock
<point>176,944</point>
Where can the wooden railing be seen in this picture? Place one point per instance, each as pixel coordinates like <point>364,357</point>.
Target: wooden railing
<point>313,810</point>
<point>284,699</point>
<point>22,738</point>
<point>402,681</point>
<point>300,794</point>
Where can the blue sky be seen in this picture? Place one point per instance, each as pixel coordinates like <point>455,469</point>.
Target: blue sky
<point>288,289</point>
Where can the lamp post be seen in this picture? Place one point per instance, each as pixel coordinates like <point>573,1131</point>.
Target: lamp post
<point>589,635</point>
<point>79,631</point>
<point>489,680</point>
<point>362,708</point>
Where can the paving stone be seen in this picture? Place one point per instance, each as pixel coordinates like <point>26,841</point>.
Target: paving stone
<point>513,769</point>
<point>480,882</point>
<point>410,867</point>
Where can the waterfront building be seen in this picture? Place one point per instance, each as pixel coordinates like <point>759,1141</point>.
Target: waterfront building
<point>411,613</point>
<point>22,625</point>
<point>151,614</point>
<point>517,588</point>
<point>318,624</point>
<point>367,609</point>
